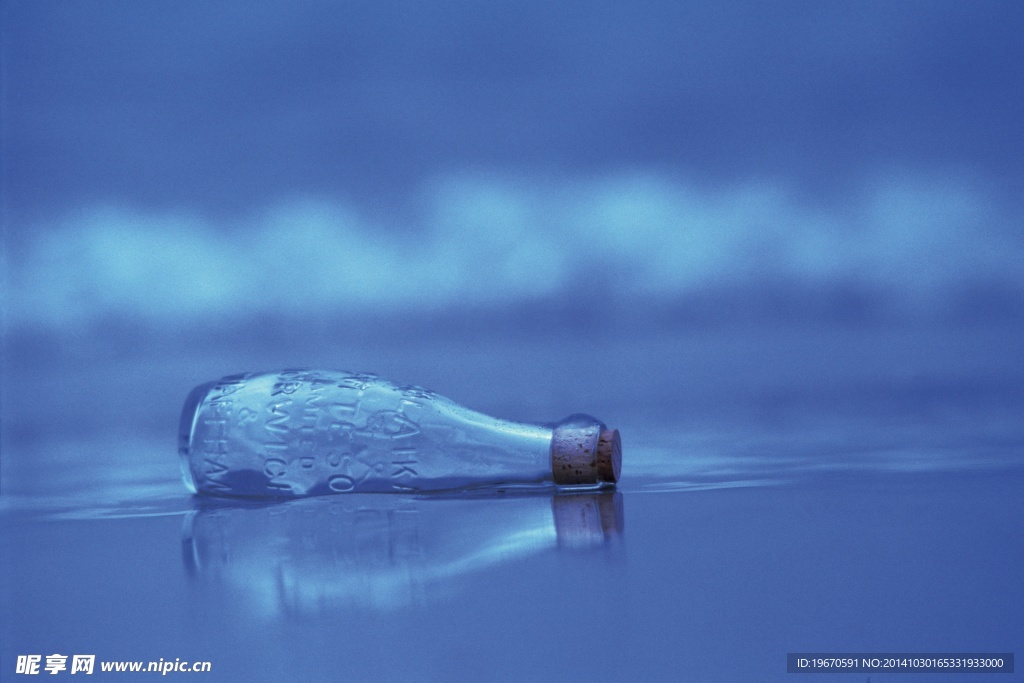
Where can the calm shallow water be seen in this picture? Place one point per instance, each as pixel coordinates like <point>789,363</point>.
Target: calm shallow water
<point>715,581</point>
<point>787,506</point>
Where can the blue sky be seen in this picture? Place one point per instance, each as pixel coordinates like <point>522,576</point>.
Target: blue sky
<point>188,159</point>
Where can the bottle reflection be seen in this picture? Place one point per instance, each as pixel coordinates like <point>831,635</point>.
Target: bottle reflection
<point>318,554</point>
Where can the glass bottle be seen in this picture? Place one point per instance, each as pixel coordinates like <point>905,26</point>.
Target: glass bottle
<point>300,433</point>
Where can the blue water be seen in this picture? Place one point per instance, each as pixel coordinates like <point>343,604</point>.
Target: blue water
<point>763,509</point>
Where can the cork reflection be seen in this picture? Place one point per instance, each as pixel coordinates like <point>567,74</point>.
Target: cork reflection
<point>315,555</point>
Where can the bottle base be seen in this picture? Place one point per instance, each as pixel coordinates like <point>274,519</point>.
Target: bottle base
<point>186,427</point>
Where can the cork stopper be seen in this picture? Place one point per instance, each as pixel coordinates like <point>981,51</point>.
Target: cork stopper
<point>609,456</point>
<point>584,452</point>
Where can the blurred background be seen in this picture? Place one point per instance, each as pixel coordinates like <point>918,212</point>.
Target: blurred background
<point>734,227</point>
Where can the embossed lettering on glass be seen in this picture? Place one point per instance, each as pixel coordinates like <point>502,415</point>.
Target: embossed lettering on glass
<point>299,433</point>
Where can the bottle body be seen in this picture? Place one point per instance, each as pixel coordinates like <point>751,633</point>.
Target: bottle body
<point>309,432</point>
